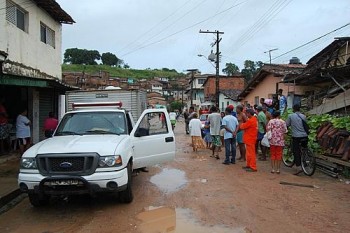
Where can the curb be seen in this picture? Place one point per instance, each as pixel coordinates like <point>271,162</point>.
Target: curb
<point>4,200</point>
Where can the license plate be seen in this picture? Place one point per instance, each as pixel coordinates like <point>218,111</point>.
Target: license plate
<point>64,182</point>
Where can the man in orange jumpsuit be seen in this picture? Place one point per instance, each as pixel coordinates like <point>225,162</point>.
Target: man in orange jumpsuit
<point>250,135</point>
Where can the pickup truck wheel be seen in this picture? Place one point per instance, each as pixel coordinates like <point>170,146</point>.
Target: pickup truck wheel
<point>126,196</point>
<point>38,200</point>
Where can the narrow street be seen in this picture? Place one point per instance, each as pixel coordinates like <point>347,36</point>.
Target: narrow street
<point>197,193</point>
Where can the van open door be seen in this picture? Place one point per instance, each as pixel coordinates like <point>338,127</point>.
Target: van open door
<point>153,139</point>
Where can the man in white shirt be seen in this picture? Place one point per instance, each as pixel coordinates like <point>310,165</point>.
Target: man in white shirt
<point>214,119</point>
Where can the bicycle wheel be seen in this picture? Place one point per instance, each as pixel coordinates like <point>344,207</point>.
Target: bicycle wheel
<point>287,156</point>
<point>308,162</point>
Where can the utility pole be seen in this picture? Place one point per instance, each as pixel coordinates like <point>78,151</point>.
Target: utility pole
<point>269,51</point>
<point>192,77</point>
<point>217,61</point>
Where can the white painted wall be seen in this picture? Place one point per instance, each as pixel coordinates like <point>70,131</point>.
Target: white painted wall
<point>26,47</point>
<point>224,102</point>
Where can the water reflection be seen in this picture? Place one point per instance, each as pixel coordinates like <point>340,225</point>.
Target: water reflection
<point>169,180</point>
<point>176,220</point>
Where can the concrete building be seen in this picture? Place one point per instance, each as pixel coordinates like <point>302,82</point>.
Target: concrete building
<point>30,71</point>
<point>268,80</point>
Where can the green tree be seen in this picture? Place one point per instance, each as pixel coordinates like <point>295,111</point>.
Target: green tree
<point>81,56</point>
<point>250,69</point>
<point>111,60</point>
<point>126,66</point>
<point>230,69</point>
<point>175,105</point>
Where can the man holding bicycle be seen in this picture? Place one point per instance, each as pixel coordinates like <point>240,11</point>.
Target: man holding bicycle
<point>299,135</point>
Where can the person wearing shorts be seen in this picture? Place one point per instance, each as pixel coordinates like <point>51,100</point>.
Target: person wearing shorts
<point>278,130</point>
<point>214,119</point>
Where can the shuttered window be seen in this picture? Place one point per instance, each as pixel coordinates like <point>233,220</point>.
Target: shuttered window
<point>47,35</point>
<point>16,15</point>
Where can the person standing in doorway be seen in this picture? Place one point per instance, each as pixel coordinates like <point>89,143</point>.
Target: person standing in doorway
<point>4,127</point>
<point>282,101</point>
<point>50,125</point>
<point>23,131</point>
<point>230,124</point>
<point>214,119</point>
<point>250,128</point>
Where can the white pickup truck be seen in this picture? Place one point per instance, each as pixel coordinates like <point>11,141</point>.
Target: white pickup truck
<point>95,149</point>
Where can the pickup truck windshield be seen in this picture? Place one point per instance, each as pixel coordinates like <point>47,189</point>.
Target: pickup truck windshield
<point>84,123</point>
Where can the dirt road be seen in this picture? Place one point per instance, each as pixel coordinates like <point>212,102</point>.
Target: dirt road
<point>196,193</point>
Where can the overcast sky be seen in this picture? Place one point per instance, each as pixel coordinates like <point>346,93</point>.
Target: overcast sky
<point>165,33</point>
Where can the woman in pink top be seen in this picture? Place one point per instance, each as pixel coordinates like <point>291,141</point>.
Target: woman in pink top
<point>50,125</point>
<point>278,130</point>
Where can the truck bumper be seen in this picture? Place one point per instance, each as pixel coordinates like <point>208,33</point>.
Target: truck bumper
<point>64,185</point>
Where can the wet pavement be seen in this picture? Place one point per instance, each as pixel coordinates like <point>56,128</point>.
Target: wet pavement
<point>169,180</point>
<point>176,220</point>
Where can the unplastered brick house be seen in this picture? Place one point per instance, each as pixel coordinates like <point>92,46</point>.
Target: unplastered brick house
<point>229,88</point>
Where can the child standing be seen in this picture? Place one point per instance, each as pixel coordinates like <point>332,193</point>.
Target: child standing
<point>207,136</point>
<point>195,132</point>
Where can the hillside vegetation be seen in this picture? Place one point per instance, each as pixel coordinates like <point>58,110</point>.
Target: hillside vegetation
<point>121,72</point>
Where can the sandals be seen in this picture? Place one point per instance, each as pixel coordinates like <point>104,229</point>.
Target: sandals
<point>217,157</point>
<point>278,172</point>
<point>272,171</point>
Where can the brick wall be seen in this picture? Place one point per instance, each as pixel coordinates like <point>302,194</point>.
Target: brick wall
<point>225,83</point>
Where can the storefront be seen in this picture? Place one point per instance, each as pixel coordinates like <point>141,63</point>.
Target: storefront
<point>38,96</point>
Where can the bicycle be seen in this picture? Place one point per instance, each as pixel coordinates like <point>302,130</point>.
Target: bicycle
<point>308,160</point>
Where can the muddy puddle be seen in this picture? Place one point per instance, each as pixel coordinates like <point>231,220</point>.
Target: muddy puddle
<point>169,180</point>
<point>176,220</point>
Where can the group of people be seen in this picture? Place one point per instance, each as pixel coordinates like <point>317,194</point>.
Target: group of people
<point>246,128</point>
<point>23,129</point>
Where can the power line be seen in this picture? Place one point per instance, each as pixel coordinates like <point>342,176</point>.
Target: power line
<point>177,32</point>
<point>312,41</point>
<point>156,25</point>
<point>178,19</point>
<point>272,12</point>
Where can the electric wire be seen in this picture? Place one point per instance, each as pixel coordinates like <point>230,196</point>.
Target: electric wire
<point>184,29</point>
<point>167,27</point>
<point>273,11</point>
<point>318,38</point>
<point>154,26</point>
<point>273,15</point>
<point>261,19</point>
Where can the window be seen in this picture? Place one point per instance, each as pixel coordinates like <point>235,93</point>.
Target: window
<point>47,35</point>
<point>256,100</point>
<point>153,124</point>
<point>201,81</point>
<point>16,15</point>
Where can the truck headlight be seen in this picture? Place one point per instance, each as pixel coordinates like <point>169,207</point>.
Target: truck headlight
<point>28,163</point>
<point>110,161</point>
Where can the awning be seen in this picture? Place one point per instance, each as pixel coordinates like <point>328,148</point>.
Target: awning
<point>14,80</point>
<point>22,81</point>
